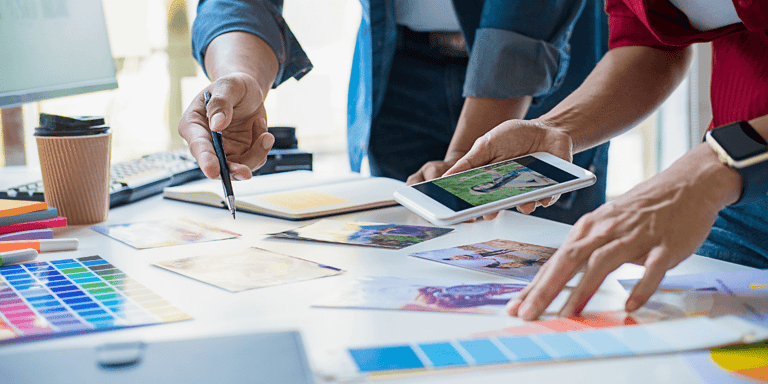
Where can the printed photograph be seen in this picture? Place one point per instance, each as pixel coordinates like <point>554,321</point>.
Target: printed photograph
<point>494,182</point>
<point>426,295</point>
<point>163,233</point>
<point>500,257</point>
<point>248,268</point>
<point>392,236</point>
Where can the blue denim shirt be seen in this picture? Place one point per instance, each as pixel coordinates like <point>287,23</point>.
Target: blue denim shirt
<point>517,48</point>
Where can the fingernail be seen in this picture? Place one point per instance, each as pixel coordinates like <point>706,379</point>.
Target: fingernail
<point>525,310</point>
<point>238,177</point>
<point>263,122</point>
<point>513,306</point>
<point>217,120</point>
<point>268,142</point>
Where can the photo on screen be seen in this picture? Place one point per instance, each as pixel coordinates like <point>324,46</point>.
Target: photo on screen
<point>494,182</point>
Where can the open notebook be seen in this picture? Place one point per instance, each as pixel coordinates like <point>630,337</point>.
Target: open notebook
<point>295,195</point>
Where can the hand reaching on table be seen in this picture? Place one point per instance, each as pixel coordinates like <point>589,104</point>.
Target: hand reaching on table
<point>658,224</point>
<point>236,109</point>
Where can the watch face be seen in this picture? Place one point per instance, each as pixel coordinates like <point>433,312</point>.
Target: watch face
<point>740,140</point>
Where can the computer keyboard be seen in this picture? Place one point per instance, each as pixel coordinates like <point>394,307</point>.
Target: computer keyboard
<point>131,180</point>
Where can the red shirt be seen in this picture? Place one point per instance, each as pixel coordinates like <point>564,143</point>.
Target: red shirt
<point>739,51</point>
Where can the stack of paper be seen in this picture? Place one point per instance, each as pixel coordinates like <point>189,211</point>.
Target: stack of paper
<point>28,220</point>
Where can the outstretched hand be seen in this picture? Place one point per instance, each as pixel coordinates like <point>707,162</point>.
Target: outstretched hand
<point>657,224</point>
<point>515,138</point>
<point>236,109</point>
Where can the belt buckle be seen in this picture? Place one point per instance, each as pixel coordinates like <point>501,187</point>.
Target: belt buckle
<point>450,44</point>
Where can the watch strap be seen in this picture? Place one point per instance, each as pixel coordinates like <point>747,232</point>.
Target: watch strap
<point>754,183</point>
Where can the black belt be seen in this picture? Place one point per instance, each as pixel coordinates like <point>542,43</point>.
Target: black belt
<point>436,44</point>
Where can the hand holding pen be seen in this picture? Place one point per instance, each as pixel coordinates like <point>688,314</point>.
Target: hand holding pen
<point>235,110</point>
<point>223,166</point>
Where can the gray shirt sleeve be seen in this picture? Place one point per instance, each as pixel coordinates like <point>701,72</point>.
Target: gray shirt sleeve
<point>521,49</point>
<point>262,18</point>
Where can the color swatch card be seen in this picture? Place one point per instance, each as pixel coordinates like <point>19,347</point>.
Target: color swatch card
<point>12,207</point>
<point>425,295</point>
<point>735,364</point>
<point>741,293</point>
<point>73,296</point>
<point>162,233</point>
<point>500,257</point>
<point>392,236</point>
<point>515,350</point>
<point>248,268</point>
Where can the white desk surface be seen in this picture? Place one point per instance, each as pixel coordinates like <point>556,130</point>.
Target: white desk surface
<point>216,311</point>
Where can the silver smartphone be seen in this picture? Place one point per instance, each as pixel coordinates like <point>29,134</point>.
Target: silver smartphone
<point>491,188</point>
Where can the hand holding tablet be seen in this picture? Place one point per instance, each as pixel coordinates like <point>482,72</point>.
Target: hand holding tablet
<point>491,188</point>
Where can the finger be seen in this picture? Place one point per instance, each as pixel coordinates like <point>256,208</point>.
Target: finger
<point>563,265</point>
<point>527,208</point>
<point>415,178</point>
<point>549,201</point>
<point>490,216</point>
<point>656,267</point>
<point>514,305</point>
<point>239,171</point>
<point>225,94</point>
<point>603,261</point>
<point>462,165</point>
<point>434,170</point>
<point>193,128</point>
<point>477,156</point>
<point>578,231</point>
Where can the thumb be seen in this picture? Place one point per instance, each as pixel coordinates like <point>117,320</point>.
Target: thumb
<point>219,112</point>
<point>224,96</point>
<point>477,156</point>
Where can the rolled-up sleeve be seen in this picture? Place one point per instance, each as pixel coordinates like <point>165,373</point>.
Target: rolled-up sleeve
<point>262,18</point>
<point>521,48</point>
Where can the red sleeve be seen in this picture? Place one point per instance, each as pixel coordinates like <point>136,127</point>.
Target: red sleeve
<point>753,13</point>
<point>627,29</point>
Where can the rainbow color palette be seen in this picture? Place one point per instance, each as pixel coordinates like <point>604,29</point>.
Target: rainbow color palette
<point>663,337</point>
<point>73,296</point>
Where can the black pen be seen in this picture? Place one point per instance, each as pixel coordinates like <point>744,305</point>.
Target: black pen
<point>223,166</point>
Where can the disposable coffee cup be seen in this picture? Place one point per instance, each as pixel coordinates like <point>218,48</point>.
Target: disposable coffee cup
<point>75,161</point>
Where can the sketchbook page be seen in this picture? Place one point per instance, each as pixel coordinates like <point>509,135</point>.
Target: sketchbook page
<point>211,192</point>
<point>322,200</point>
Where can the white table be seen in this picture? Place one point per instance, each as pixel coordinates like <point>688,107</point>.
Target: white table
<point>216,311</point>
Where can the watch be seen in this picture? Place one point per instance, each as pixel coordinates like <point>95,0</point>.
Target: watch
<point>740,147</point>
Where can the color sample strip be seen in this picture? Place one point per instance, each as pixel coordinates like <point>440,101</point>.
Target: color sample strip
<point>442,354</point>
<point>589,321</point>
<point>386,358</point>
<point>671,336</point>
<point>74,295</point>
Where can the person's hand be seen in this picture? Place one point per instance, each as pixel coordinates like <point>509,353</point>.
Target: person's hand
<point>236,109</point>
<point>515,138</point>
<point>434,169</point>
<point>657,224</point>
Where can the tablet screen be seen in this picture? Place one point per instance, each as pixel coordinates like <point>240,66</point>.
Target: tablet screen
<point>493,182</point>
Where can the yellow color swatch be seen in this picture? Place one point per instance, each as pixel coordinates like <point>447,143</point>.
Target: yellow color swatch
<point>749,360</point>
<point>302,199</point>
<point>758,286</point>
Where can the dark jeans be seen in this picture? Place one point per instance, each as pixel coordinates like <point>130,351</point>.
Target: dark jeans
<point>420,111</point>
<point>740,235</point>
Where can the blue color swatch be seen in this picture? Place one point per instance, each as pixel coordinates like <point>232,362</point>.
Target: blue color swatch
<point>564,345</point>
<point>63,296</point>
<point>442,354</point>
<point>386,358</point>
<point>484,351</point>
<point>524,348</point>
